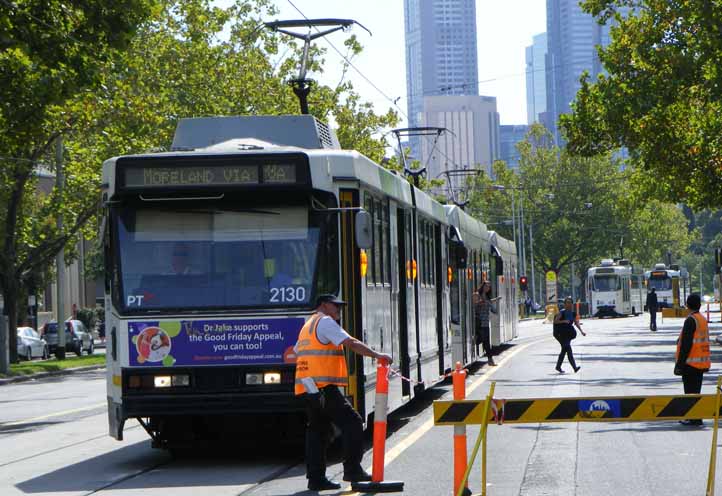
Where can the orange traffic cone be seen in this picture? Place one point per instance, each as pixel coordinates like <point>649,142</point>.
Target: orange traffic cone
<point>377,483</point>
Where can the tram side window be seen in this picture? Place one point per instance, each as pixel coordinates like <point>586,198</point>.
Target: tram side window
<point>422,252</point>
<point>378,250</point>
<point>369,207</point>
<point>409,253</point>
<point>432,261</point>
<point>385,231</point>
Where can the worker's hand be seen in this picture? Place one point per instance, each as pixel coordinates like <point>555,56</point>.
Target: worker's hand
<point>385,357</point>
<point>678,370</point>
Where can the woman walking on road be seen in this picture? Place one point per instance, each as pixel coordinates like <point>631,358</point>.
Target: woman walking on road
<point>564,332</point>
<point>483,304</point>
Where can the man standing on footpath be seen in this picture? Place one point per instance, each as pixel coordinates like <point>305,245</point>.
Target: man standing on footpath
<point>693,354</point>
<point>651,305</point>
<point>320,371</point>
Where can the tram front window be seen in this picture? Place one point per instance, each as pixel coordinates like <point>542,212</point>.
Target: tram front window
<point>607,283</point>
<point>660,283</point>
<point>202,258</point>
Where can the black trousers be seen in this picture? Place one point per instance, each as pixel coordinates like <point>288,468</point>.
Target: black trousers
<point>653,318</point>
<point>483,338</point>
<point>323,409</point>
<point>566,350</point>
<point>692,380</point>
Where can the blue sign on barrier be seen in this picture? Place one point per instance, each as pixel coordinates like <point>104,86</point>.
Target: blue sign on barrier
<point>213,342</point>
<point>613,407</point>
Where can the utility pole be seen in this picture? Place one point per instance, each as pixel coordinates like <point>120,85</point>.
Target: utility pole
<point>60,257</point>
<point>523,235</point>
<point>4,340</point>
<point>513,224</point>
<point>531,258</point>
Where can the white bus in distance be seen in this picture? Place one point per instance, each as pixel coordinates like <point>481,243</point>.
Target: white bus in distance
<point>609,289</point>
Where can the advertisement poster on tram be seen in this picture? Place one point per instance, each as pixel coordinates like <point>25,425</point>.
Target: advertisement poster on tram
<point>213,342</point>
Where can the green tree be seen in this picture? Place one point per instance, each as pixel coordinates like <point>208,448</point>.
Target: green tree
<point>660,97</point>
<point>50,51</point>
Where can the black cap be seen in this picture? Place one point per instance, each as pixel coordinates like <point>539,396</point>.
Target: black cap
<point>329,298</point>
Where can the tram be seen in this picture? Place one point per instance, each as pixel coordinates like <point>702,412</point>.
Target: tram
<point>662,279</point>
<point>215,253</point>
<point>609,287</point>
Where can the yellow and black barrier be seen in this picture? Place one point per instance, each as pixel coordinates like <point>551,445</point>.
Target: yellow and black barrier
<point>587,409</point>
<point>591,409</point>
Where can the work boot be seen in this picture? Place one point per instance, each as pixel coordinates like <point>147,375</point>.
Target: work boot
<point>360,476</point>
<point>692,422</point>
<point>490,362</point>
<point>323,485</point>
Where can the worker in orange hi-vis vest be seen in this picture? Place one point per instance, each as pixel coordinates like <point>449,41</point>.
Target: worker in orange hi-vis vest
<point>693,355</point>
<point>320,371</point>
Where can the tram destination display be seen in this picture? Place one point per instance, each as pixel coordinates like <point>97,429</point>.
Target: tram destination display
<point>182,175</point>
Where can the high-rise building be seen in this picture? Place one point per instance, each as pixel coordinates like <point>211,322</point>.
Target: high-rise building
<point>572,37</point>
<point>441,54</point>
<point>474,138</point>
<point>509,136</point>
<point>536,90</point>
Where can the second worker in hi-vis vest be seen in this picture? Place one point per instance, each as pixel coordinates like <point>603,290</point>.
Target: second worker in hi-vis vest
<point>320,371</point>
<point>693,357</point>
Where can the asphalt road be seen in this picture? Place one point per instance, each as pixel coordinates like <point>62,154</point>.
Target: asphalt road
<point>53,433</point>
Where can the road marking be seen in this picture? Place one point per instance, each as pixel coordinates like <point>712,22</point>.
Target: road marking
<point>51,415</point>
<point>409,440</point>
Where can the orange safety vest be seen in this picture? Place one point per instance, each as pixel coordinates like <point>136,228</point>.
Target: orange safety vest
<point>324,363</point>
<point>699,355</point>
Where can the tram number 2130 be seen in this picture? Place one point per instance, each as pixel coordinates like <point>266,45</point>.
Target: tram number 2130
<point>288,294</point>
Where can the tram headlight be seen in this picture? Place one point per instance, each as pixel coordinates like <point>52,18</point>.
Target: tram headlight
<point>180,380</point>
<point>254,379</point>
<point>162,381</point>
<point>272,378</point>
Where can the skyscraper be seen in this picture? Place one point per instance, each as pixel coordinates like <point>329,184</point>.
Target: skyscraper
<point>572,39</point>
<point>474,138</point>
<point>536,90</point>
<point>441,57</point>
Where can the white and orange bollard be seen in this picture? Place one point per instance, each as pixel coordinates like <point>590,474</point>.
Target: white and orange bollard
<point>459,383</point>
<point>377,483</point>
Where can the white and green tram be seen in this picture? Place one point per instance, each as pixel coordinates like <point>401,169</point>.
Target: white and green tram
<point>216,251</point>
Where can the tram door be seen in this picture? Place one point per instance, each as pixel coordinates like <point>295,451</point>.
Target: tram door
<point>406,295</point>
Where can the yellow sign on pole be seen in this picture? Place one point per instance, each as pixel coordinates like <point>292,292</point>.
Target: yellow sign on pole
<point>551,276</point>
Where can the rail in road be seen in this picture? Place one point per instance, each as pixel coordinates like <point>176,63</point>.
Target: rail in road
<point>54,441</point>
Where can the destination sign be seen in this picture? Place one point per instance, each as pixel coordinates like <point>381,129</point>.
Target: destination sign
<point>659,274</point>
<point>209,175</point>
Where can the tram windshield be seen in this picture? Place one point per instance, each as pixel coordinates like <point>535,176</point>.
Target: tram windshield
<point>607,283</point>
<point>660,283</point>
<point>224,257</point>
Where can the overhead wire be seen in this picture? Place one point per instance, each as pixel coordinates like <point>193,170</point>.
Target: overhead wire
<point>365,78</point>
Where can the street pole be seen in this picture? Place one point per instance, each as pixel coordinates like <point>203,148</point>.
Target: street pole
<point>571,283</point>
<point>523,235</point>
<point>60,257</point>
<point>4,340</point>
<point>531,258</point>
<point>513,225</point>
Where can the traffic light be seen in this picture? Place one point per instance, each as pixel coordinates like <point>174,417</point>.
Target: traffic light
<point>523,283</point>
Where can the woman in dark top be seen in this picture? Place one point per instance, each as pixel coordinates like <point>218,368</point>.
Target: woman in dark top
<point>564,332</point>
<point>483,304</point>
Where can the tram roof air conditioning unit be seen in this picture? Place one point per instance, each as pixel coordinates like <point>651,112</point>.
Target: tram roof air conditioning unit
<point>607,262</point>
<point>302,131</point>
<point>660,266</point>
<point>623,261</point>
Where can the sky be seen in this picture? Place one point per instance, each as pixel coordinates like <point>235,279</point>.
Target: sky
<point>504,29</point>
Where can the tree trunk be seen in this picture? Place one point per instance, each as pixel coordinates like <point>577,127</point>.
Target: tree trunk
<point>10,294</point>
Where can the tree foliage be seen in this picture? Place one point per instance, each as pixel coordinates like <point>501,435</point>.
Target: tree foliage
<point>661,96</point>
<point>50,51</point>
<point>580,209</point>
<point>161,61</point>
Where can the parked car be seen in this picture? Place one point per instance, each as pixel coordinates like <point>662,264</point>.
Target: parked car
<point>77,337</point>
<point>31,345</point>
